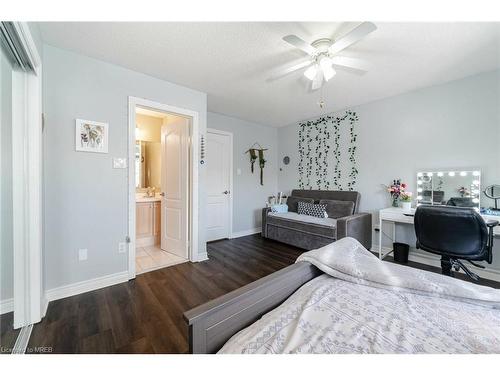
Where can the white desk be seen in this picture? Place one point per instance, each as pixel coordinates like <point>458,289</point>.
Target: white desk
<point>398,215</point>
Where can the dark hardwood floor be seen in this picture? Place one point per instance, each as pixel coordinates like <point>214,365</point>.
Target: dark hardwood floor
<point>8,334</point>
<point>145,315</point>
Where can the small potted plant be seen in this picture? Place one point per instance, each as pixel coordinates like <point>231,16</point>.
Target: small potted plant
<point>405,199</point>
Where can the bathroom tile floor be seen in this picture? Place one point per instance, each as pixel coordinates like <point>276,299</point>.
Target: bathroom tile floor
<point>150,258</point>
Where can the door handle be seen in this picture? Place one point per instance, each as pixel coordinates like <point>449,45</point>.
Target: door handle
<point>162,194</point>
<point>225,192</point>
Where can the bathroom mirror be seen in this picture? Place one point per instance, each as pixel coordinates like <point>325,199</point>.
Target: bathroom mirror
<point>461,188</point>
<point>147,165</point>
<point>493,192</point>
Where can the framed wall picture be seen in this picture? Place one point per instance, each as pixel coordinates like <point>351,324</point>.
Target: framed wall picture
<point>91,136</point>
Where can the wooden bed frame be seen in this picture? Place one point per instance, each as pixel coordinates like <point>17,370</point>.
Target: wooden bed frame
<point>215,322</point>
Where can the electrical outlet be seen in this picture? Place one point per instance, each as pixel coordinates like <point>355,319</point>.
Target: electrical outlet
<point>82,254</point>
<point>122,247</point>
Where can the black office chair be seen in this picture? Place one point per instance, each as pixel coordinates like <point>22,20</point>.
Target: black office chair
<point>454,233</point>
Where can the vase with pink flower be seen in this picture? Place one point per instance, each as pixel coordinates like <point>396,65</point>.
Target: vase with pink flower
<point>395,190</point>
<point>405,200</point>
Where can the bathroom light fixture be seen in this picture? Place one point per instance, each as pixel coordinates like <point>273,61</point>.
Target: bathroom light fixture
<point>137,134</point>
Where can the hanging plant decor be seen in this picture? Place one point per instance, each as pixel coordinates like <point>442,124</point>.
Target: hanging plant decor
<point>315,143</point>
<point>253,157</point>
<point>262,163</point>
<point>257,153</point>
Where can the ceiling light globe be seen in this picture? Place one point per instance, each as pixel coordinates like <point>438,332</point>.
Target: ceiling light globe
<point>311,72</point>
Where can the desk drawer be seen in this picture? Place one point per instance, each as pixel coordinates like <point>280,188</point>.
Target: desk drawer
<point>398,218</point>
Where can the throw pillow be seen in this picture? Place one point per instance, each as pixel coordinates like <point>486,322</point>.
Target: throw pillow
<point>336,208</point>
<point>311,209</point>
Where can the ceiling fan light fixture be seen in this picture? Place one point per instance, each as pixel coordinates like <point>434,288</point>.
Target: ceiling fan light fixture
<point>326,67</point>
<point>311,72</point>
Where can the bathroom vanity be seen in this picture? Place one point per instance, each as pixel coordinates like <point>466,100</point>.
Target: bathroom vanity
<point>148,221</point>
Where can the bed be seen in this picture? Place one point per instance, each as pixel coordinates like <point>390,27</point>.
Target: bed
<point>343,299</point>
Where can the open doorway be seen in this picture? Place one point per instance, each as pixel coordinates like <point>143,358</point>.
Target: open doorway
<point>161,169</point>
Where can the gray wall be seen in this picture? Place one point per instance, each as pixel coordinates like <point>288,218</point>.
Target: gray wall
<point>454,125</point>
<point>6,250</point>
<point>248,195</point>
<point>85,199</point>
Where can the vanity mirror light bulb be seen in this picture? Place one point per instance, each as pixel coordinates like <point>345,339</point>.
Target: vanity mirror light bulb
<point>475,200</point>
<point>451,174</point>
<point>475,182</point>
<point>429,174</point>
<point>419,182</point>
<point>419,190</point>
<point>440,174</point>
<point>419,197</point>
<point>476,173</point>
<point>463,173</point>
<point>419,174</point>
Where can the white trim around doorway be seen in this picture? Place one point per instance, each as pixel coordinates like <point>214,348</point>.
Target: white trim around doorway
<point>230,135</point>
<point>194,116</point>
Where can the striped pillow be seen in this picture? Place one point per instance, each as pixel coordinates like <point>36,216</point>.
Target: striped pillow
<point>311,209</point>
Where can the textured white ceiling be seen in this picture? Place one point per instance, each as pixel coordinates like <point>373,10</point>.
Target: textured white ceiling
<point>231,62</point>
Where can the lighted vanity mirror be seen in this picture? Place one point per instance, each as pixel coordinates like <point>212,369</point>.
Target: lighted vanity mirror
<point>147,164</point>
<point>458,188</point>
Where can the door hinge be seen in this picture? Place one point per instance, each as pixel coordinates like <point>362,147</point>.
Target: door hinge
<point>127,239</point>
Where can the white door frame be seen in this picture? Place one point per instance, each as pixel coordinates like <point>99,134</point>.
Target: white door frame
<point>29,300</point>
<point>222,132</point>
<point>193,174</point>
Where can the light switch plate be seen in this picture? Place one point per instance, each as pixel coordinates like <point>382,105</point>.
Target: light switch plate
<point>119,163</point>
<point>82,254</point>
<point>122,247</point>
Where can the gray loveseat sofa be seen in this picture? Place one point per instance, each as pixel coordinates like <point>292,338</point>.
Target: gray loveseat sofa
<point>309,232</point>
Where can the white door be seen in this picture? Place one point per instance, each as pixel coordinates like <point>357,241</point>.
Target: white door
<point>218,164</point>
<point>175,185</point>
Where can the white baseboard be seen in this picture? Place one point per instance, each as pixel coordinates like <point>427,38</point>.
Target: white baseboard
<point>45,305</point>
<point>246,232</point>
<point>201,257</point>
<point>86,286</point>
<point>487,273</point>
<point>6,306</point>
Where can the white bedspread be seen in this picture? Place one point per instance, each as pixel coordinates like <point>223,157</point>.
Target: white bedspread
<point>370,306</point>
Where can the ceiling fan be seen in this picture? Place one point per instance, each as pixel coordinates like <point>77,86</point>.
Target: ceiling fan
<point>323,55</point>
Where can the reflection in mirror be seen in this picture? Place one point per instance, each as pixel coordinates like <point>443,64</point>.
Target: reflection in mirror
<point>493,192</point>
<point>147,164</point>
<point>450,188</point>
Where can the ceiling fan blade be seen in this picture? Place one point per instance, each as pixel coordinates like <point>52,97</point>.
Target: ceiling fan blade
<point>318,80</point>
<point>290,69</point>
<point>352,37</point>
<point>351,63</point>
<point>295,41</point>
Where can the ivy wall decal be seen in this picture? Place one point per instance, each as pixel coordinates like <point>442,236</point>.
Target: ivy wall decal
<point>316,139</point>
